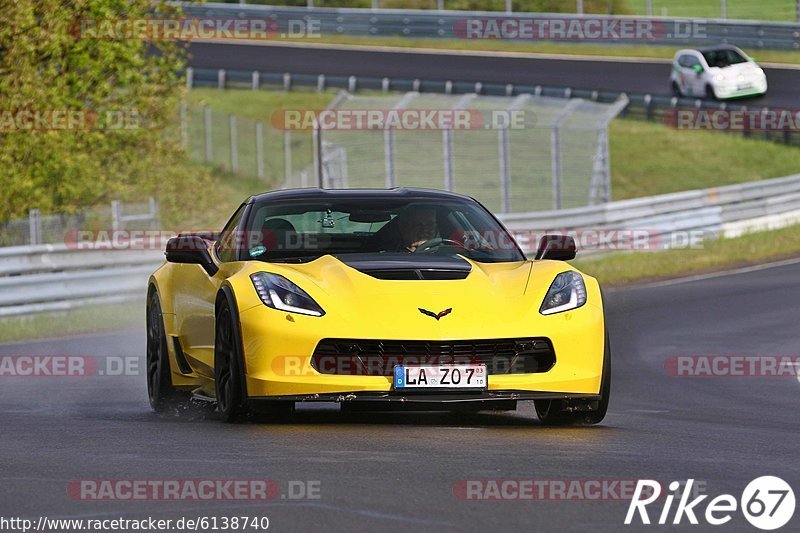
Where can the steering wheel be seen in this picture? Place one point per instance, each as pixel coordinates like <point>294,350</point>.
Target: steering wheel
<point>435,243</point>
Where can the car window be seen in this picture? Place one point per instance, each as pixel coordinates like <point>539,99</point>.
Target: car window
<point>227,246</point>
<point>304,230</point>
<point>688,61</point>
<point>723,57</point>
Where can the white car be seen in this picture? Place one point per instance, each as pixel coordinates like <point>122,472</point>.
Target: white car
<point>718,72</point>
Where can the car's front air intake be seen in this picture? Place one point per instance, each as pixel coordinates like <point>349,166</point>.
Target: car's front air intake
<point>379,357</point>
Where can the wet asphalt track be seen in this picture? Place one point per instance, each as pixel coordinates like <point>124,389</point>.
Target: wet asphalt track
<point>633,77</point>
<point>396,472</point>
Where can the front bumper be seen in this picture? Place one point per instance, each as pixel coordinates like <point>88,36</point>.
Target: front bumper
<point>740,89</point>
<point>278,349</point>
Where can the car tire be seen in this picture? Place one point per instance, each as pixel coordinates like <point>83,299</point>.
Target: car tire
<point>554,412</point>
<point>160,392</point>
<point>676,90</point>
<point>710,94</point>
<point>228,373</point>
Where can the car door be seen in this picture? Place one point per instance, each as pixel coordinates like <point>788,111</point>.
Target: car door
<point>696,75</point>
<point>687,75</point>
<point>195,294</point>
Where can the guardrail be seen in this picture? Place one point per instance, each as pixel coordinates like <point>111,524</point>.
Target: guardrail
<point>54,277</point>
<point>449,24</point>
<point>644,106</point>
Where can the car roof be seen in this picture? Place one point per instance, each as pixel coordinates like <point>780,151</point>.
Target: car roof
<point>717,47</point>
<point>313,193</point>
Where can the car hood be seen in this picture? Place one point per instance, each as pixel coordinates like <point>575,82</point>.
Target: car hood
<point>747,69</point>
<point>503,296</point>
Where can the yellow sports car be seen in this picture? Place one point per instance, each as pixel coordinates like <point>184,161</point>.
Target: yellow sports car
<point>375,299</point>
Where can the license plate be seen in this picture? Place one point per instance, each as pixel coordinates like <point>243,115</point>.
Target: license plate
<point>440,377</point>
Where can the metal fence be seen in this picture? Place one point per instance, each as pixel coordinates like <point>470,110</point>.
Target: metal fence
<point>643,106</point>
<point>55,228</point>
<point>42,278</point>
<point>785,10</point>
<point>512,153</point>
<point>244,147</point>
<point>450,25</point>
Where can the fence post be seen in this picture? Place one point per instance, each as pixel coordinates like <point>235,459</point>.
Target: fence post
<point>189,77</point>
<point>723,9</point>
<point>649,8</point>
<point>440,5</point>
<point>509,6</point>
<point>153,212</point>
<point>287,154</point>
<point>255,82</point>
<point>207,131</point>
<point>234,144</point>
<point>505,169</point>
<point>447,157</point>
<point>35,226</point>
<point>116,215</point>
<point>184,126</point>
<point>260,150</point>
<point>388,156</point>
<point>310,3</point>
<point>579,7</point>
<point>318,163</point>
<point>221,78</point>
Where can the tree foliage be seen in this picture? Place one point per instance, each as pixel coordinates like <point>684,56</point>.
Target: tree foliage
<point>132,87</point>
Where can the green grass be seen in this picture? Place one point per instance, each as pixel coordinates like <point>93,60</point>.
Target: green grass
<point>89,319</point>
<point>541,47</point>
<point>775,10</point>
<point>620,269</point>
<point>780,10</point>
<point>649,158</point>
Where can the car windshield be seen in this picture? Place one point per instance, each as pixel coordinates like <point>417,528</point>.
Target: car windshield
<point>723,57</point>
<point>302,230</point>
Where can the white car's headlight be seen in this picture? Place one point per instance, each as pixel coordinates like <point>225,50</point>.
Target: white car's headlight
<point>567,292</point>
<point>280,293</point>
<point>719,77</point>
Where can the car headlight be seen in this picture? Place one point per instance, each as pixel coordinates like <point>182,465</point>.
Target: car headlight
<point>567,292</point>
<point>719,77</point>
<point>280,293</point>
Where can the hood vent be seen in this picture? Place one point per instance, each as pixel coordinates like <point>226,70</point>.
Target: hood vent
<point>417,273</point>
<point>407,266</point>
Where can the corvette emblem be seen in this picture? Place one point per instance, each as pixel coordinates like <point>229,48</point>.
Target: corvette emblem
<point>435,315</point>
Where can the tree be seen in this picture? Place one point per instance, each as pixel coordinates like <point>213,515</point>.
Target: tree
<point>124,96</point>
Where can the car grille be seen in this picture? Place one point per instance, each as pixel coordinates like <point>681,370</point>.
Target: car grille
<point>379,357</point>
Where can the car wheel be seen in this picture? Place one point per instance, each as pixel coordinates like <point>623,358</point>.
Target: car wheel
<point>710,94</point>
<point>676,90</point>
<point>160,391</point>
<point>228,377</point>
<point>556,413</point>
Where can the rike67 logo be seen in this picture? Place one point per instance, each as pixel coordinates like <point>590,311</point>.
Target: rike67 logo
<point>767,503</point>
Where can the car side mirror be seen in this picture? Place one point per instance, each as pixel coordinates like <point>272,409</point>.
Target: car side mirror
<point>556,248</point>
<point>191,249</point>
<point>698,69</point>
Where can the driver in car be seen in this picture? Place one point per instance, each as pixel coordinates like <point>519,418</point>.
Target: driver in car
<point>417,225</point>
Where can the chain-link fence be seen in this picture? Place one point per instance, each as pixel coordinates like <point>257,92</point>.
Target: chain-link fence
<point>39,228</point>
<point>514,154</point>
<point>778,10</point>
<point>244,147</point>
